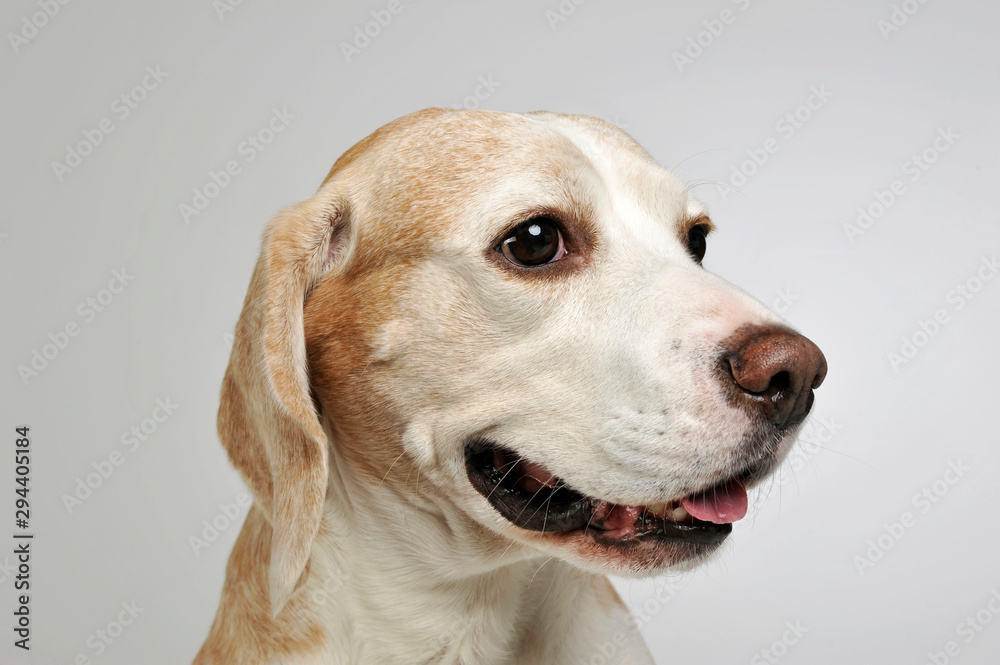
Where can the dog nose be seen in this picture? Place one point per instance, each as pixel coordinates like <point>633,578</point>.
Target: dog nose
<point>774,370</point>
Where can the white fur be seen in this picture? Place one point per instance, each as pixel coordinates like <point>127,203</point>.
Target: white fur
<point>606,379</point>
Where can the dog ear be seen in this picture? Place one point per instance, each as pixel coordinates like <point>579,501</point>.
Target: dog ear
<point>267,420</point>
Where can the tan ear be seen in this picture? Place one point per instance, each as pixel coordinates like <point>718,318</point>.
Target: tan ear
<point>267,421</point>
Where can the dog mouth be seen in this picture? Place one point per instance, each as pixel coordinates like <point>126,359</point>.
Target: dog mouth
<point>532,498</point>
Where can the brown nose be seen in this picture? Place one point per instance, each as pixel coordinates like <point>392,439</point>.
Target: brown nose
<point>775,370</point>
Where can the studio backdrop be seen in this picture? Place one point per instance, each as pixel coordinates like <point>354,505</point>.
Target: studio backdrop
<point>847,153</point>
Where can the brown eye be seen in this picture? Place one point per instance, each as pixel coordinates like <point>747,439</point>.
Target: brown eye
<point>534,242</point>
<point>696,242</point>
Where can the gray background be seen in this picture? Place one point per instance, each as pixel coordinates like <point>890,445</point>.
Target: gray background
<point>880,434</point>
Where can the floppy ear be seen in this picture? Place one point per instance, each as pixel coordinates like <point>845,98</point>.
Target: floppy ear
<point>267,421</point>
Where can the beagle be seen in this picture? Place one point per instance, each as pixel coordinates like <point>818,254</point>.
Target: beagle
<point>479,370</point>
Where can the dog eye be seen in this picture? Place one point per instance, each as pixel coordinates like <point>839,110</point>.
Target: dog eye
<point>697,242</point>
<point>534,242</point>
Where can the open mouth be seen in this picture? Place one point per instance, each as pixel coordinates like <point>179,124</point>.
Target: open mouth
<point>532,498</point>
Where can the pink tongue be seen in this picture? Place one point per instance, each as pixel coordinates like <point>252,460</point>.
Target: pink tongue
<point>720,505</point>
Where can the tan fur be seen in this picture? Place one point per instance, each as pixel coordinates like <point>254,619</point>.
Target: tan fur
<point>607,595</point>
<point>244,631</point>
<point>267,421</point>
<point>362,305</point>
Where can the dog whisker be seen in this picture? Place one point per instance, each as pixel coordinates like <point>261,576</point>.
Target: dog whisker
<point>471,274</point>
<point>681,163</point>
<point>389,470</point>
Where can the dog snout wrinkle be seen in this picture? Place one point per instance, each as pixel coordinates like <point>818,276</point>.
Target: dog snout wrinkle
<point>773,370</point>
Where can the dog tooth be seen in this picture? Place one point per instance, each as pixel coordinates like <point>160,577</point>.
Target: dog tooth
<point>678,514</point>
<point>656,508</point>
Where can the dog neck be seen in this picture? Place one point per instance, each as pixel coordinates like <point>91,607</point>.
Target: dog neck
<point>397,581</point>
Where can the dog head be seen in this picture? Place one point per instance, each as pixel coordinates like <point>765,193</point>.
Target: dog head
<point>502,321</point>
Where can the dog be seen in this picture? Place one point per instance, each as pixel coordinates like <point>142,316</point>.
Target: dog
<point>482,368</point>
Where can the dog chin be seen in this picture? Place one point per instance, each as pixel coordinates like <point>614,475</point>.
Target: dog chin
<point>639,559</point>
